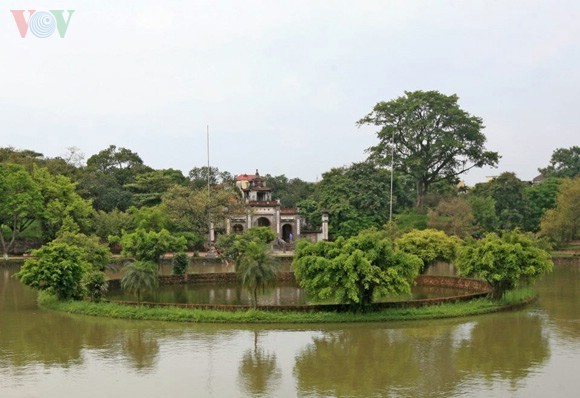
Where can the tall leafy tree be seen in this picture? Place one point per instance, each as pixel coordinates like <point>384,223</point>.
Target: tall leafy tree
<point>21,203</point>
<point>107,174</point>
<point>430,137</point>
<point>122,163</point>
<point>540,197</point>
<point>198,177</point>
<point>191,210</point>
<point>60,202</point>
<point>356,197</point>
<point>565,162</point>
<point>290,191</point>
<point>454,216</point>
<point>562,223</point>
<point>148,188</point>
<point>511,203</point>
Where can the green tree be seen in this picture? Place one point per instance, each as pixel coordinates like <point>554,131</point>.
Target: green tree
<point>511,204</point>
<point>107,175</point>
<point>256,268</point>
<point>289,191</point>
<point>429,245</point>
<point>61,202</point>
<point>20,203</point>
<point>110,223</point>
<point>149,246</point>
<point>430,136</point>
<point>139,277</point>
<point>148,188</point>
<point>232,246</point>
<point>94,252</point>
<point>454,216</point>
<point>57,268</point>
<point>562,223</point>
<point>356,198</point>
<point>104,191</point>
<point>504,262</point>
<point>540,197</point>
<point>190,210</point>
<point>565,162</point>
<point>483,208</point>
<point>121,163</point>
<point>95,285</point>
<point>180,262</point>
<point>354,271</point>
<point>198,177</point>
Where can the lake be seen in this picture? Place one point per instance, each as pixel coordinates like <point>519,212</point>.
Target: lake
<point>533,352</point>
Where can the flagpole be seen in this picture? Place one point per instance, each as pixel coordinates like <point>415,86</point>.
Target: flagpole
<point>208,190</point>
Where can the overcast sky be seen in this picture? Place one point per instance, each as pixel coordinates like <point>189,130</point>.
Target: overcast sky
<point>282,83</point>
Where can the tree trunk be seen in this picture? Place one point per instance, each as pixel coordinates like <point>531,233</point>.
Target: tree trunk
<point>256,297</point>
<point>420,195</point>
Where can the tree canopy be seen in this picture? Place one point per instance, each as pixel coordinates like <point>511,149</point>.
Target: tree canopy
<point>562,223</point>
<point>430,137</point>
<point>505,262</point>
<point>565,162</point>
<point>20,203</point>
<point>429,245</point>
<point>58,268</point>
<point>354,271</point>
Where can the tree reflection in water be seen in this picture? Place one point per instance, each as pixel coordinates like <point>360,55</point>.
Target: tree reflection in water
<point>142,351</point>
<point>505,347</point>
<point>258,373</point>
<point>428,359</point>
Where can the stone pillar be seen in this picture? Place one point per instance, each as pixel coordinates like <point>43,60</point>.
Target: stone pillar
<point>324,225</point>
<point>297,227</point>
<point>277,221</point>
<point>228,226</point>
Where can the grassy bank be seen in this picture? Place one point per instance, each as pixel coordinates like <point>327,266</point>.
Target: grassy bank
<point>173,314</point>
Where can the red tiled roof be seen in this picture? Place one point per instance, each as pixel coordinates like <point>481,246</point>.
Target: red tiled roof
<point>245,177</point>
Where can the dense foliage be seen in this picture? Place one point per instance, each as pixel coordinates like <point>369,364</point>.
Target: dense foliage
<point>354,271</point>
<point>429,245</point>
<point>430,137</point>
<point>505,261</point>
<point>180,262</point>
<point>20,203</point>
<point>150,245</point>
<point>57,268</point>
<point>251,254</point>
<point>562,223</point>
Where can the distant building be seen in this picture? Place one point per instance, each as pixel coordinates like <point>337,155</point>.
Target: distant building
<point>263,211</point>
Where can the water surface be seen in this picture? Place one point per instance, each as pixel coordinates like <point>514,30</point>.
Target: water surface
<point>530,353</point>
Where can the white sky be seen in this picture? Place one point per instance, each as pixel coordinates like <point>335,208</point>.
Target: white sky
<point>282,83</point>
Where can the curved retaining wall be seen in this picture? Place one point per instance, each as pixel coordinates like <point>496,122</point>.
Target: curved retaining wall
<point>474,289</point>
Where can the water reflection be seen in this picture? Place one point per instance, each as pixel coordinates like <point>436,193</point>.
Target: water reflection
<point>560,296</point>
<point>422,360</point>
<point>258,373</point>
<point>496,348</point>
<point>533,352</point>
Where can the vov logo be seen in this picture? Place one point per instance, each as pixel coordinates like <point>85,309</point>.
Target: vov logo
<point>42,24</point>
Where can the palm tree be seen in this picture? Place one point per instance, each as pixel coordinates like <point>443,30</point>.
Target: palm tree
<point>256,268</point>
<point>139,276</point>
